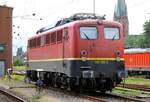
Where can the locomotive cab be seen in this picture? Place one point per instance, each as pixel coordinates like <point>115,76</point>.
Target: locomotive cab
<point>99,49</point>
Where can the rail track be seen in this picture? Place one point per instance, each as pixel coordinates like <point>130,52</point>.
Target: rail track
<point>99,97</point>
<point>92,96</point>
<point>11,96</point>
<point>140,76</point>
<point>136,87</point>
<point>109,97</point>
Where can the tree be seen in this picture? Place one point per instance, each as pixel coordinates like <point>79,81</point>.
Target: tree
<point>18,62</point>
<point>147,28</point>
<point>133,41</point>
<point>139,41</point>
<point>146,33</point>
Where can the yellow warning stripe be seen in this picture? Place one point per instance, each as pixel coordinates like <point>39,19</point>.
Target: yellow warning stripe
<point>97,59</point>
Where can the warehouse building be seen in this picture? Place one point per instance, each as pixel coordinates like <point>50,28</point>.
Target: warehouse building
<point>5,39</point>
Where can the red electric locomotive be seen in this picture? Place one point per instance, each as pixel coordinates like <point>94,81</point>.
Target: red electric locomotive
<point>137,61</point>
<point>82,51</point>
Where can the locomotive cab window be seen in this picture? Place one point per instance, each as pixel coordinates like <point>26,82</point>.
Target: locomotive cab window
<point>111,33</point>
<point>88,33</point>
<point>42,40</point>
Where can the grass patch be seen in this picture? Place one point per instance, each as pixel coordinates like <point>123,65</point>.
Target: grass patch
<point>20,67</point>
<point>18,77</point>
<point>17,80</point>
<point>14,77</point>
<point>36,97</point>
<point>129,92</point>
<point>138,81</point>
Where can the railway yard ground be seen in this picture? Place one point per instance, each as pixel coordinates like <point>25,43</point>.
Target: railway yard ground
<point>29,92</point>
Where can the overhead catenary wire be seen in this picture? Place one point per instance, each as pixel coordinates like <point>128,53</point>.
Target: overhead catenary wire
<point>138,4</point>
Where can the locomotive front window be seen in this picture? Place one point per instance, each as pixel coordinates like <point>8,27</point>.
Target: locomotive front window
<point>88,33</point>
<point>111,33</point>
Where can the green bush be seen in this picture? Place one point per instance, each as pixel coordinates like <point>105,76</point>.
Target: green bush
<point>18,63</point>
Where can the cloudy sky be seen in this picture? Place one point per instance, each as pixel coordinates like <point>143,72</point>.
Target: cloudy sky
<point>27,14</point>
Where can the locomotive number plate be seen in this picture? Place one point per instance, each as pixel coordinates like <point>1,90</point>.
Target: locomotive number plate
<point>101,62</point>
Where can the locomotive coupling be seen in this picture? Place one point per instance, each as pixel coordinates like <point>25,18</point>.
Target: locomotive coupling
<point>88,74</point>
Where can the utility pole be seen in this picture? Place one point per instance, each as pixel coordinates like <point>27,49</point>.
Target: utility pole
<point>94,7</point>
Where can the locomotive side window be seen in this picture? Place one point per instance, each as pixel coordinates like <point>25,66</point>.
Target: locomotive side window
<point>47,39</point>
<point>42,40</point>
<point>30,43</point>
<point>88,33</point>
<point>53,38</point>
<point>111,33</point>
<point>66,34</point>
<point>38,41</point>
<point>59,36</point>
<point>34,42</point>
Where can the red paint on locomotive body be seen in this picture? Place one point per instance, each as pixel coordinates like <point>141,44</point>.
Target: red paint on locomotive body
<point>83,51</point>
<point>72,47</point>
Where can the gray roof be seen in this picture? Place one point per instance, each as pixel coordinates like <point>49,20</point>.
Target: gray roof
<point>137,50</point>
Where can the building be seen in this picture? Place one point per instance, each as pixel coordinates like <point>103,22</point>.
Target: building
<point>5,39</point>
<point>121,15</point>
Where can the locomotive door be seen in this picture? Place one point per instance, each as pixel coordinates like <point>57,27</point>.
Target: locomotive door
<point>2,68</point>
<point>65,40</point>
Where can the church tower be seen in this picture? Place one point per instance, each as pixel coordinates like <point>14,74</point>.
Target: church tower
<point>121,15</point>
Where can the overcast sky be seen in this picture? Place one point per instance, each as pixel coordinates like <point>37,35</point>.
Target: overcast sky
<point>49,10</point>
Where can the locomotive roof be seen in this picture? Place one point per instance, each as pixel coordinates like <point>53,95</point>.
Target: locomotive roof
<point>137,50</point>
<point>76,18</point>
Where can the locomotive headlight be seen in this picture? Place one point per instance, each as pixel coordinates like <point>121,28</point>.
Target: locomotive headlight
<point>117,53</point>
<point>83,53</point>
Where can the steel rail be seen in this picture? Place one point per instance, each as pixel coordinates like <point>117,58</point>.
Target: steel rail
<point>98,97</point>
<point>126,98</point>
<point>12,96</point>
<point>106,97</point>
<point>136,87</point>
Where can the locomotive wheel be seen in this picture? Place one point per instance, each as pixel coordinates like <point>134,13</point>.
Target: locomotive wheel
<point>103,91</point>
<point>64,82</point>
<point>54,84</point>
<point>70,85</point>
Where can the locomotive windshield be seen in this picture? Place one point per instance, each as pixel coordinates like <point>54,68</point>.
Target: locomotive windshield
<point>111,33</point>
<point>88,33</point>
